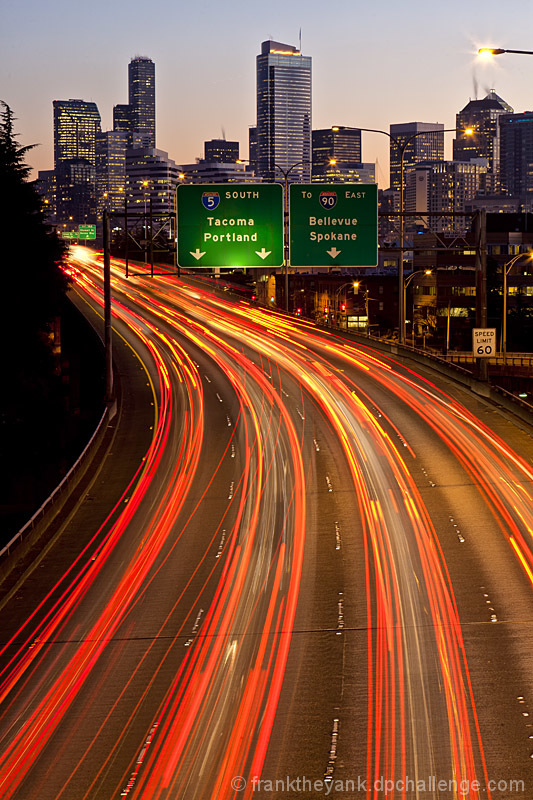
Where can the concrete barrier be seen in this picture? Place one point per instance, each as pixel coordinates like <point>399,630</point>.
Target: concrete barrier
<point>495,394</point>
<point>56,500</point>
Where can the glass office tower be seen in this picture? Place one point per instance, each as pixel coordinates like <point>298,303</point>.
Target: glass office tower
<point>283,113</point>
<point>516,153</point>
<point>76,126</point>
<point>420,141</point>
<point>111,147</point>
<point>76,123</point>
<point>141,99</point>
<point>342,145</point>
<point>220,150</point>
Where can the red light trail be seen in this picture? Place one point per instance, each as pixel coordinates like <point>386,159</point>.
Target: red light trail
<point>217,698</point>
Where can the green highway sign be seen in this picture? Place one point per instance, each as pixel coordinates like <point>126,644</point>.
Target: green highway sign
<point>69,234</point>
<point>87,231</point>
<point>333,224</point>
<point>230,225</point>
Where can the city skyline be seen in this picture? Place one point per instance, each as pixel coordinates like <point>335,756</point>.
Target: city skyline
<point>366,69</point>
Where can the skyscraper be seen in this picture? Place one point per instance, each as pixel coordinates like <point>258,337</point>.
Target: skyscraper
<point>336,157</point>
<point>76,125</point>
<point>111,149</point>
<point>516,153</point>
<point>138,116</point>
<point>443,186</point>
<point>151,175</point>
<point>342,145</point>
<point>252,147</point>
<point>141,98</point>
<point>283,112</point>
<point>221,150</point>
<point>482,116</point>
<point>75,193</point>
<point>426,144</point>
<point>122,118</point>
<point>46,186</point>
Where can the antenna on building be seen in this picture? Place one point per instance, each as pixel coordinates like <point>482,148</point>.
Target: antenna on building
<point>476,85</point>
<point>223,134</point>
<point>300,40</point>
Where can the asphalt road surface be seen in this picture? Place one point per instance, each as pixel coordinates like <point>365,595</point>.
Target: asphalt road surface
<point>314,579</point>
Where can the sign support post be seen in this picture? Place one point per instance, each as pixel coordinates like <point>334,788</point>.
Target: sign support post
<point>107,312</point>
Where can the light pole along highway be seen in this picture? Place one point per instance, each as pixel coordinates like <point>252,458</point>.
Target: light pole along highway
<point>506,270</point>
<point>353,284</point>
<point>401,144</point>
<point>286,173</point>
<point>406,284</point>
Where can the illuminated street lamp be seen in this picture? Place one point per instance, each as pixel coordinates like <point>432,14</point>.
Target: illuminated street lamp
<point>401,146</point>
<point>506,270</point>
<point>497,51</point>
<point>354,285</point>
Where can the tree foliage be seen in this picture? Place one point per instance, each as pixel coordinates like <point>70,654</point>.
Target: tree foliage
<point>32,290</point>
<point>33,283</point>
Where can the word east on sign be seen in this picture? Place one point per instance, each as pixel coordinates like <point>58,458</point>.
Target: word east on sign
<point>230,225</point>
<point>333,225</point>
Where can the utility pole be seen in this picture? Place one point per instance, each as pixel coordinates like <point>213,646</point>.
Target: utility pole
<point>151,240</point>
<point>107,312</point>
<point>480,229</point>
<point>126,234</point>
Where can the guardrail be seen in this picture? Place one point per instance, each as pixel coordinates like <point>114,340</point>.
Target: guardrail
<point>493,392</point>
<point>511,360</point>
<point>66,483</point>
<point>444,364</point>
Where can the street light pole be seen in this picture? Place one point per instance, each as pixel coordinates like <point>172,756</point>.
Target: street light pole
<point>151,239</point>
<point>480,233</point>
<point>406,284</point>
<point>286,173</point>
<point>126,235</point>
<point>506,270</point>
<point>108,343</point>
<point>401,146</point>
<point>336,299</point>
<point>145,184</point>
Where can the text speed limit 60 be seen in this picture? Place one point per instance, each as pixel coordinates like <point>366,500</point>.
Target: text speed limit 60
<point>483,342</point>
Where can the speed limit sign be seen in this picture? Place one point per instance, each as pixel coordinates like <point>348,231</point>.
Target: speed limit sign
<point>484,342</point>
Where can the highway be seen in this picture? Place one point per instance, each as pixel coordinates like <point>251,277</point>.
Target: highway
<point>320,570</point>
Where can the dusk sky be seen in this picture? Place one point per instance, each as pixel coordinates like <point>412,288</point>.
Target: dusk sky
<point>374,63</point>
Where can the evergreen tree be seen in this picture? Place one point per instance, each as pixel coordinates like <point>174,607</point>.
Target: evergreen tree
<point>32,290</point>
<point>33,283</point>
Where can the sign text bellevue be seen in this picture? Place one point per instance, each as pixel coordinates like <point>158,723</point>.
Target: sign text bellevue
<point>333,225</point>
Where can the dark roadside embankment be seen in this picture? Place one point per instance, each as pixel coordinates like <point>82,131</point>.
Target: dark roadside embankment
<point>52,405</point>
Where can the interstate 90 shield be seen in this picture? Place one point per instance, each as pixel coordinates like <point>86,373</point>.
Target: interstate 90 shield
<point>328,200</point>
